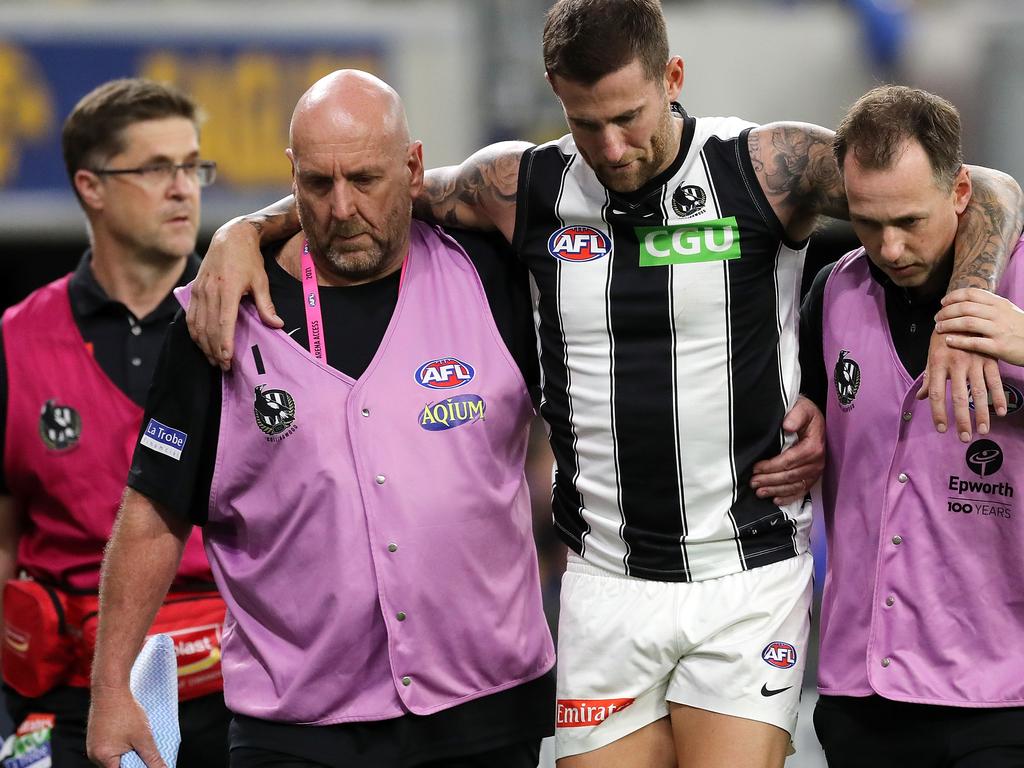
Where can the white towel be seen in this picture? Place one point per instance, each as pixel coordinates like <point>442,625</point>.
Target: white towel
<point>154,684</point>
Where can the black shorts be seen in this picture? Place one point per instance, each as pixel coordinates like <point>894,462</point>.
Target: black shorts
<point>524,754</point>
<point>204,726</point>
<point>872,731</point>
<point>501,730</point>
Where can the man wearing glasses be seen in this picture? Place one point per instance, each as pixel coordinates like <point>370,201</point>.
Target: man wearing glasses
<point>78,357</point>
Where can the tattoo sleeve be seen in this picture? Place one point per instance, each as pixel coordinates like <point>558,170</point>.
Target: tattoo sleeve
<point>478,194</point>
<point>277,221</point>
<point>797,170</point>
<point>988,229</point>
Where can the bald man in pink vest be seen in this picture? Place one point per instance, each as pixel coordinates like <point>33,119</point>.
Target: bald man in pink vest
<point>365,511</point>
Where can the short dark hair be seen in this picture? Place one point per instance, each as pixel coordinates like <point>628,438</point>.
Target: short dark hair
<point>885,117</point>
<point>93,130</point>
<point>584,40</point>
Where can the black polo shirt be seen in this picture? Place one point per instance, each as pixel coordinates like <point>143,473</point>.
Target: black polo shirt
<point>125,346</point>
<point>911,321</point>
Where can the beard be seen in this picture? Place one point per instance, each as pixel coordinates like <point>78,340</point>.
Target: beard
<point>646,168</point>
<point>367,258</point>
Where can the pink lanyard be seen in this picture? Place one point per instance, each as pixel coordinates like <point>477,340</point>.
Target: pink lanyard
<point>314,319</point>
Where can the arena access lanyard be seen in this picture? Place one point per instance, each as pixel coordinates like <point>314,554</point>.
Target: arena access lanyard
<point>311,290</point>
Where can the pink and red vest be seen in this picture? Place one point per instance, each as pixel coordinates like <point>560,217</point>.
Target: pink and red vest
<point>69,442</point>
<point>373,537</point>
<point>925,569</point>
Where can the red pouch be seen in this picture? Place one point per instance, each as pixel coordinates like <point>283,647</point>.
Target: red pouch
<point>195,622</point>
<point>38,649</point>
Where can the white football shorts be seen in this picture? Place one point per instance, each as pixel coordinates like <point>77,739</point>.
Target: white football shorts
<point>626,647</point>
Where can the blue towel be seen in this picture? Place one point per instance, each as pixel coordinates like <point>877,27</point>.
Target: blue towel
<point>154,684</point>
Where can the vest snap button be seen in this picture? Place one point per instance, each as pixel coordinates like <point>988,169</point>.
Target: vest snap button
<point>365,411</point>
<point>400,615</point>
<point>392,547</point>
<point>907,415</point>
<point>902,477</point>
<point>380,479</point>
<point>407,681</point>
<point>886,661</point>
<point>897,540</point>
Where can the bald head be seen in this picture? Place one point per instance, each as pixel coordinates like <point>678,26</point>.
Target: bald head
<point>346,105</point>
<point>354,175</point>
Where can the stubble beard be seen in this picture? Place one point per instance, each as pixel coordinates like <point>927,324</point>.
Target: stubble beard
<point>354,263</point>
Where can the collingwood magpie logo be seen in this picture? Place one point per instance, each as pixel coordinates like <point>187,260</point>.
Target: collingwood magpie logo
<point>274,410</point>
<point>688,200</point>
<point>60,426</point>
<point>846,377</point>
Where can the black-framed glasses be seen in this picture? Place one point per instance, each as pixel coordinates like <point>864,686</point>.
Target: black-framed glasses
<point>202,172</point>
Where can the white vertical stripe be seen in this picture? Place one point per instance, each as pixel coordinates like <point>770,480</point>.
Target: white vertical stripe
<point>583,313</point>
<point>704,408</point>
<point>789,267</point>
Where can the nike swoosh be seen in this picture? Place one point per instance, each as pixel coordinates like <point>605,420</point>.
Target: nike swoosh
<point>294,331</point>
<point>766,691</point>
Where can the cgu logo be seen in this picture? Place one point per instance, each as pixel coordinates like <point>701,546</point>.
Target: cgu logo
<point>578,243</point>
<point>717,240</point>
<point>780,655</point>
<point>444,373</point>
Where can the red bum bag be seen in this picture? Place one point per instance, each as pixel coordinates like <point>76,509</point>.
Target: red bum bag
<point>50,638</point>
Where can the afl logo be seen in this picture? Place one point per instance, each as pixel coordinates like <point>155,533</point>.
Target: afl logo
<point>846,377</point>
<point>1014,398</point>
<point>444,373</point>
<point>579,243</point>
<point>780,655</point>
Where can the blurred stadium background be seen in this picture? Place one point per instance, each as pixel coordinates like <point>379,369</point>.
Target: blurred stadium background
<point>470,72</point>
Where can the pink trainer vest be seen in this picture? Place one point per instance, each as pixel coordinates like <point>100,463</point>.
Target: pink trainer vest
<point>373,537</point>
<point>922,598</point>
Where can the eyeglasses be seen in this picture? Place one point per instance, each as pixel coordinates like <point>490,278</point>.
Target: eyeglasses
<point>202,172</point>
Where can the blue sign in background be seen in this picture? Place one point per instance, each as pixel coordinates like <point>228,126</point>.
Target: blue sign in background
<point>247,90</point>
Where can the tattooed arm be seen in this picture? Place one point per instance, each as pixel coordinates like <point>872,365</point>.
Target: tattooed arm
<point>798,173</point>
<point>986,234</point>
<point>478,194</point>
<point>231,269</point>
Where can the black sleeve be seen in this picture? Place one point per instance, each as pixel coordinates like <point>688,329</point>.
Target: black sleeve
<point>183,402</point>
<point>507,285</point>
<point>813,377</point>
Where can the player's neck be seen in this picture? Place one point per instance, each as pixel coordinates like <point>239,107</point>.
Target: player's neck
<point>139,283</point>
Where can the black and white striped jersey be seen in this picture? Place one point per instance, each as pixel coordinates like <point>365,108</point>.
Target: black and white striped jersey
<point>667,320</point>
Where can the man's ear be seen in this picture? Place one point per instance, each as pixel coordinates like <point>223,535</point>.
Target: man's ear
<point>962,189</point>
<point>90,189</point>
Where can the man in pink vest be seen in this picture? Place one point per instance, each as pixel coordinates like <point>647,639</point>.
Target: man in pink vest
<point>920,663</point>
<point>360,479</point>
<point>78,357</point>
